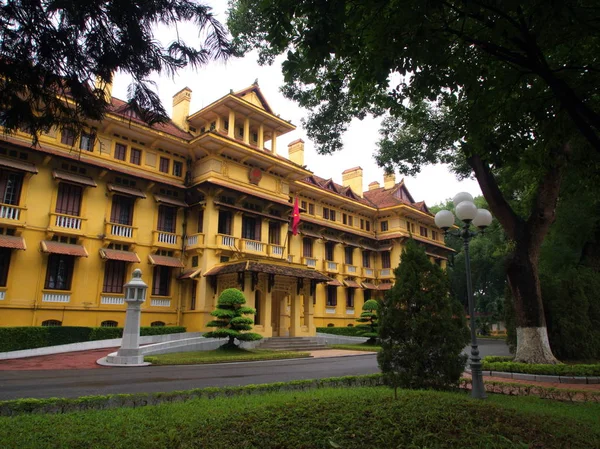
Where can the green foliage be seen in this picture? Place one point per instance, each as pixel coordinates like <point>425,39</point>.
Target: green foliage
<point>20,338</point>
<point>220,355</point>
<point>56,49</point>
<point>231,322</point>
<point>346,331</point>
<point>422,331</point>
<point>369,317</point>
<point>580,370</point>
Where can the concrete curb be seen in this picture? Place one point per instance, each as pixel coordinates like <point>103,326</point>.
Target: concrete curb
<point>572,380</point>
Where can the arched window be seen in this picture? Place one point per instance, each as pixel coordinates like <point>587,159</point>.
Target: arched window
<point>331,325</point>
<point>157,323</point>
<point>109,323</point>
<point>258,307</point>
<point>51,323</point>
<point>350,325</point>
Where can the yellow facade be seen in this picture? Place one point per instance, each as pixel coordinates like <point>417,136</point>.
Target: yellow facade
<point>199,205</point>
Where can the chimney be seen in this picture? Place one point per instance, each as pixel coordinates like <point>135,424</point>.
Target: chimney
<point>353,178</point>
<point>296,152</point>
<point>389,180</point>
<point>374,185</point>
<point>106,88</point>
<point>181,107</point>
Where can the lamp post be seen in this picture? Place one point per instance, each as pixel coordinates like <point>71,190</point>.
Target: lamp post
<point>467,212</point>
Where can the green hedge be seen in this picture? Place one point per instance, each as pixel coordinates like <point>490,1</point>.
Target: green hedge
<point>493,364</point>
<point>19,338</point>
<point>346,331</point>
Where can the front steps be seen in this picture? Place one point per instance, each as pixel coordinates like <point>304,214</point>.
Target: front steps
<point>291,344</point>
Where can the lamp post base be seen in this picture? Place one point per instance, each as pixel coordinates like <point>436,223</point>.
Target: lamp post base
<point>123,360</point>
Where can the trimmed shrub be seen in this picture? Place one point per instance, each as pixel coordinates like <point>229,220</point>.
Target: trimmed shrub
<point>160,330</point>
<point>345,331</point>
<point>369,320</point>
<point>19,338</point>
<point>546,370</point>
<point>106,333</point>
<point>63,335</point>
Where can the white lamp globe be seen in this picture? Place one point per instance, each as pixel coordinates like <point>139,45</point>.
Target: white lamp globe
<point>466,210</point>
<point>483,218</point>
<point>444,219</point>
<point>460,197</point>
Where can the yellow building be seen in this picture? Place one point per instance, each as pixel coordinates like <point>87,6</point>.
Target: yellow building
<point>199,204</point>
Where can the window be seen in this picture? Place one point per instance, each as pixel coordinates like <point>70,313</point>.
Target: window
<point>275,233</point>
<point>423,231</point>
<point>120,151</point>
<point>251,228</point>
<point>68,201</point>
<point>303,204</point>
<point>5,254</point>
<point>349,253</point>
<point>329,247</point>
<point>350,220</point>
<point>366,259</point>
<point>164,165</point>
<point>331,296</point>
<point>311,208</point>
<point>10,188</point>
<point>122,210</point>
<point>307,247</point>
<point>384,226</point>
<point>326,213</point>
<point>366,294</point>
<point>167,218</point>
<point>410,227</point>
<point>87,141</point>
<point>344,219</point>
<point>368,225</point>
<point>349,297</point>
<point>135,156</point>
<point>193,298</point>
<point>161,280</point>
<point>386,260</point>
<point>200,220</point>
<point>157,324</point>
<point>257,306</point>
<point>332,215</point>
<point>114,276</point>
<point>109,323</point>
<point>59,272</point>
<point>177,168</point>
<point>224,222</point>
<point>362,224</point>
<point>51,323</point>
<point>194,261</point>
<point>434,235</point>
<point>67,137</point>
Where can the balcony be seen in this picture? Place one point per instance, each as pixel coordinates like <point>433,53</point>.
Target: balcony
<point>385,273</point>
<point>113,299</point>
<point>254,246</point>
<point>330,266</point>
<point>11,214</point>
<point>194,241</point>
<point>351,270</point>
<point>160,302</point>
<point>56,297</point>
<point>226,242</point>
<point>120,232</point>
<point>166,239</point>
<point>310,262</point>
<point>368,272</point>
<point>67,223</point>
<point>276,251</point>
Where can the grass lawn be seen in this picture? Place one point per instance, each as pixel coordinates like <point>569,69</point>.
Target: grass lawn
<point>221,356</point>
<point>323,418</point>
<point>358,347</point>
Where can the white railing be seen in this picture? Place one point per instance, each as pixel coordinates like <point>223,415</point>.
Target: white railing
<point>290,258</point>
<point>2,296</point>
<point>121,230</point>
<point>332,266</point>
<point>368,271</point>
<point>253,245</point>
<point>276,250</point>
<point>351,268</point>
<point>64,221</point>
<point>192,240</point>
<point>385,272</point>
<point>9,212</point>
<point>56,297</point>
<point>160,302</point>
<point>227,240</point>
<point>113,300</point>
<point>330,310</point>
<point>167,237</point>
<point>349,310</point>
<point>310,262</point>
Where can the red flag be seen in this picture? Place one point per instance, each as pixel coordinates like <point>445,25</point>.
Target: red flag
<point>295,217</point>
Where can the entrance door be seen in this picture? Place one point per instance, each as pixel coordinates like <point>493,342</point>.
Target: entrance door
<point>276,300</point>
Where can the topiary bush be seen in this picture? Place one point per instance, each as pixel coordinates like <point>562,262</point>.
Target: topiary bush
<point>422,331</point>
<point>345,331</point>
<point>232,322</point>
<point>369,319</point>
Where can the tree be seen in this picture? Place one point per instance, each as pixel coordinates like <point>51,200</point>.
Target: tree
<point>369,316</point>
<point>56,57</point>
<point>505,90</point>
<point>231,319</point>
<point>422,331</point>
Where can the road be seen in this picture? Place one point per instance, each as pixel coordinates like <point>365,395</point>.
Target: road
<point>75,383</point>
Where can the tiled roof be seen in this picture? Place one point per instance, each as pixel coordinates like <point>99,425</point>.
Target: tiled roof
<point>254,88</point>
<point>165,261</point>
<point>369,286</point>
<point>268,268</point>
<point>73,177</point>
<point>335,283</point>
<point>189,274</point>
<point>13,242</point>
<point>171,201</point>
<point>18,165</point>
<point>119,107</point>
<point>123,256</point>
<point>49,246</point>
<point>125,190</point>
<point>335,188</point>
<point>385,286</point>
<point>350,283</point>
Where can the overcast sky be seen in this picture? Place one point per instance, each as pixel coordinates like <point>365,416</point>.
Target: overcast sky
<point>433,185</point>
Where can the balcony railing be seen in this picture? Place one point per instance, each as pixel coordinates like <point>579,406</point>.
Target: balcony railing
<point>385,273</point>
<point>66,222</point>
<point>195,240</point>
<point>10,212</point>
<point>290,258</point>
<point>253,246</point>
<point>276,250</point>
<point>160,302</point>
<point>2,295</point>
<point>56,297</point>
<point>309,262</point>
<point>226,241</point>
<point>166,239</point>
<point>351,269</point>
<point>120,231</point>
<point>112,299</point>
<point>330,266</point>
<point>368,272</point>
